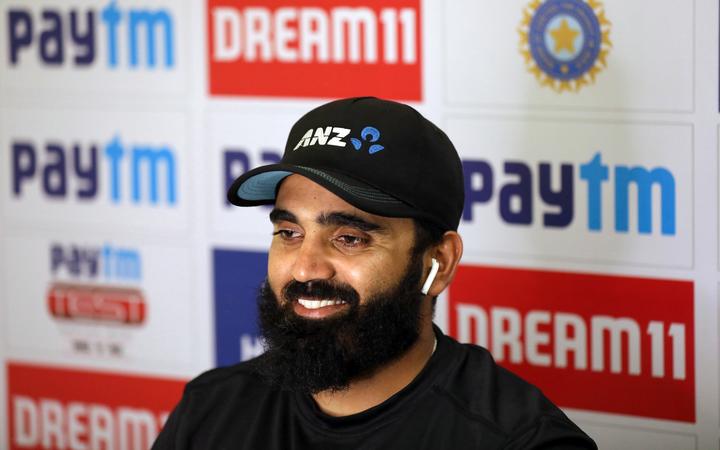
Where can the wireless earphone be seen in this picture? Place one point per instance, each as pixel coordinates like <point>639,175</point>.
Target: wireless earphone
<point>431,277</point>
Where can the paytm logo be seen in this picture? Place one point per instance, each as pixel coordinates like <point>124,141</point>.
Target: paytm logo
<point>623,185</point>
<point>103,302</point>
<point>106,262</point>
<point>137,173</point>
<point>132,37</point>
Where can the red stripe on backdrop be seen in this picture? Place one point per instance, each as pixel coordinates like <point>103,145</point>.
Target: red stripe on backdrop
<point>51,407</point>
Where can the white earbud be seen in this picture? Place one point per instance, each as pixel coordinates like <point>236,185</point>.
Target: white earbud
<point>431,277</point>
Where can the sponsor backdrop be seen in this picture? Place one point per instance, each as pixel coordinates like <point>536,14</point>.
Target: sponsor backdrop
<point>588,131</point>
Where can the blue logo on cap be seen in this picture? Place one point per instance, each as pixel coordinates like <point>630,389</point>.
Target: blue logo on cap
<point>370,135</point>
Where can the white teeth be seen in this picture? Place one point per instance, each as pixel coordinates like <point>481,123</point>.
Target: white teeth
<point>315,304</point>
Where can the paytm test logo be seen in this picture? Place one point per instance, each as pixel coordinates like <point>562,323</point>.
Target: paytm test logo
<point>115,35</point>
<point>315,49</point>
<point>96,285</point>
<point>136,172</point>
<point>516,196</point>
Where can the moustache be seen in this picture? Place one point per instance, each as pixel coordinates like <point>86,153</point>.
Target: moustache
<point>321,290</point>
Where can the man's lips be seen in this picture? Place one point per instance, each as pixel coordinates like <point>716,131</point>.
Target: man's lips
<point>315,304</point>
<point>318,308</point>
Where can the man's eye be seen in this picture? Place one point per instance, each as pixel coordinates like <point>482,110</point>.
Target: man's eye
<point>286,234</point>
<point>348,240</point>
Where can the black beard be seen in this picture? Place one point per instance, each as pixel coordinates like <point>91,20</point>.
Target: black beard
<point>314,355</point>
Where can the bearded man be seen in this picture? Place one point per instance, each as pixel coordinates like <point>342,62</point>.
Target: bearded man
<point>367,201</point>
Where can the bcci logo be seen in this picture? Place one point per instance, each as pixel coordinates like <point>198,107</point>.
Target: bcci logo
<point>565,43</point>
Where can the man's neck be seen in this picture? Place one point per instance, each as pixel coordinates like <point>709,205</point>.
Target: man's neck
<point>387,381</point>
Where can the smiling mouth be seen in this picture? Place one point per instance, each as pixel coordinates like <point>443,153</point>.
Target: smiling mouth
<point>317,304</point>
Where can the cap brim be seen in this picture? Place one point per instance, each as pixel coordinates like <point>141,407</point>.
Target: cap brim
<point>259,187</point>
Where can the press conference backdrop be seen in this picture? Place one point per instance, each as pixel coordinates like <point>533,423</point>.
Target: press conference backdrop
<point>588,131</point>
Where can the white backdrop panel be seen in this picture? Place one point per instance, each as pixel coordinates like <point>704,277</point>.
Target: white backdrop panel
<point>162,274</point>
<point>620,146</point>
<point>140,171</point>
<point>650,65</point>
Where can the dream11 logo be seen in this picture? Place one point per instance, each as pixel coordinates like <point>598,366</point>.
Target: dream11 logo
<point>131,37</point>
<point>320,49</point>
<point>96,285</point>
<point>516,196</point>
<point>72,171</point>
<point>631,339</point>
<point>62,408</point>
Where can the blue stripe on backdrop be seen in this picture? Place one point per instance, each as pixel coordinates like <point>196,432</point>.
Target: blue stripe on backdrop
<point>236,279</point>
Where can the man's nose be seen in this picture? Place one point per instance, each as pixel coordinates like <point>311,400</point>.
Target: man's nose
<point>312,261</point>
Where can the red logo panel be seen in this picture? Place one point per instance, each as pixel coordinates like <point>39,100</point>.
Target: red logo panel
<point>96,303</point>
<point>63,408</point>
<point>321,48</point>
<point>602,343</point>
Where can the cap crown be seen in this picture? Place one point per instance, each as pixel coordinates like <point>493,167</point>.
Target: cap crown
<point>388,146</point>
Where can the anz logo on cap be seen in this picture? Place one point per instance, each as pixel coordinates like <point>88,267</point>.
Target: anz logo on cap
<point>334,136</point>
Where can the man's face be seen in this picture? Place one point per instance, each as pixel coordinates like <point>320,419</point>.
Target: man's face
<point>319,236</point>
<point>343,291</point>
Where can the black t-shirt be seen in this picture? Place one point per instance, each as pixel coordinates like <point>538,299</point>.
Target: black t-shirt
<point>460,400</point>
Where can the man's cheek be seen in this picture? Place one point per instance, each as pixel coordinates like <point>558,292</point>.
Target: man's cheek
<point>358,276</point>
<point>277,274</point>
<point>276,289</point>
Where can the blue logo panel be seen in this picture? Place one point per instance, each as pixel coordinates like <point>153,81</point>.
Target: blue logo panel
<point>236,280</point>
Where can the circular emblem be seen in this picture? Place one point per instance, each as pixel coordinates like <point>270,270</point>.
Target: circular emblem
<point>565,42</point>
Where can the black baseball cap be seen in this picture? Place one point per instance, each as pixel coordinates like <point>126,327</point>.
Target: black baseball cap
<point>380,156</point>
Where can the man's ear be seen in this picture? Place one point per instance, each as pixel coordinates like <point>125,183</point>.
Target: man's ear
<point>447,253</point>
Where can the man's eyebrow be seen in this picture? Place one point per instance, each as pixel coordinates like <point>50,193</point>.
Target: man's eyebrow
<point>277,215</point>
<point>329,219</point>
<point>351,220</point>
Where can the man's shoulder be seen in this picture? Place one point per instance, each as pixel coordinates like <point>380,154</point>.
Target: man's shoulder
<point>242,376</point>
<point>212,398</point>
<point>487,393</point>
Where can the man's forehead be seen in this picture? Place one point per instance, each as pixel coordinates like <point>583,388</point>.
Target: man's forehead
<point>299,191</point>
<point>300,195</point>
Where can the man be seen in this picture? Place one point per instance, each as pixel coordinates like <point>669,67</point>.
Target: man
<point>368,198</point>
